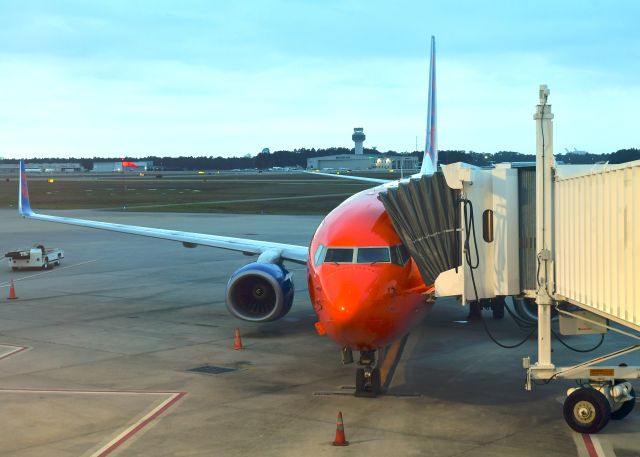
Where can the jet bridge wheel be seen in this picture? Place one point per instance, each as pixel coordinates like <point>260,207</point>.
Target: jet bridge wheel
<point>587,410</point>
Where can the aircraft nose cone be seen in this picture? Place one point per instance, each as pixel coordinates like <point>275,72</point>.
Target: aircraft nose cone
<point>356,304</point>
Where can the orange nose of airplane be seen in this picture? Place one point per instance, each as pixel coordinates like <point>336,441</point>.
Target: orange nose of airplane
<point>365,306</point>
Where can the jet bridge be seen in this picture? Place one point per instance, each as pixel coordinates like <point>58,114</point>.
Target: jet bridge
<point>565,236</point>
<point>587,246</point>
<point>424,212</point>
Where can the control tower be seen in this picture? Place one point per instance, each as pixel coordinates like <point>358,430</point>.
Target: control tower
<point>358,138</point>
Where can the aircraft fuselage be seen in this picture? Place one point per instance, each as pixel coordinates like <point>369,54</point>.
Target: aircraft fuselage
<point>365,289</point>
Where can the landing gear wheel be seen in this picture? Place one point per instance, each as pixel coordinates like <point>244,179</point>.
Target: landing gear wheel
<point>626,407</point>
<point>375,381</point>
<point>14,268</point>
<point>497,307</point>
<point>586,410</point>
<point>367,382</point>
<point>359,380</point>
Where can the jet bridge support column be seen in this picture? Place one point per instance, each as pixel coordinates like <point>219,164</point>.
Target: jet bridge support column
<point>544,224</point>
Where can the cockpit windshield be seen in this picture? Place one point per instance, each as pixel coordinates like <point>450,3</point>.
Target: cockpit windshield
<point>373,255</point>
<point>396,254</point>
<point>339,255</point>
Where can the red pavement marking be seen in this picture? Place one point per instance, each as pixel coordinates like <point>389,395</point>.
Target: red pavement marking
<point>141,425</point>
<point>176,396</point>
<point>591,449</point>
<point>9,354</point>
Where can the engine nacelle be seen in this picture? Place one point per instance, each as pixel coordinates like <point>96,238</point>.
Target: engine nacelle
<point>260,292</point>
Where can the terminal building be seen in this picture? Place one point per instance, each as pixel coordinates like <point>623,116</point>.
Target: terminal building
<point>12,168</point>
<point>363,162</point>
<point>341,162</point>
<point>116,167</point>
<point>397,162</point>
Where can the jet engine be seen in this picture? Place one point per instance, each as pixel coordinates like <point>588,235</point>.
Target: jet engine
<point>260,292</point>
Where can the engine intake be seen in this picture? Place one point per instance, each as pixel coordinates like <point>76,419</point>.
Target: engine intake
<point>260,292</point>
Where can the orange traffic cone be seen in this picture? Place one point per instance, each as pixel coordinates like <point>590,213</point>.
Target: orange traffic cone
<point>237,342</point>
<point>12,292</point>
<point>340,439</point>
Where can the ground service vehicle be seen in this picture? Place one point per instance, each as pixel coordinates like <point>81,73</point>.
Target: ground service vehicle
<point>36,257</point>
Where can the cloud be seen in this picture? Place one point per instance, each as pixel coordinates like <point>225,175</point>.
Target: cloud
<point>230,78</point>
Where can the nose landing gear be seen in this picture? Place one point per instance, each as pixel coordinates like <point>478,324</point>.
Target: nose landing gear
<point>368,378</point>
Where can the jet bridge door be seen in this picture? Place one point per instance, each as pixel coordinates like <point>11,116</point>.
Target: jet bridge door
<point>425,213</point>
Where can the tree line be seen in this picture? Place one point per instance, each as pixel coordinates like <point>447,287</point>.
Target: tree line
<point>298,158</point>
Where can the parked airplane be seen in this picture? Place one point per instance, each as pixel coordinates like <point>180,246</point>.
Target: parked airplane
<point>365,288</point>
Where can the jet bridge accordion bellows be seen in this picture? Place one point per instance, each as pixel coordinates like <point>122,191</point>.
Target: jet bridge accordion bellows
<point>424,211</point>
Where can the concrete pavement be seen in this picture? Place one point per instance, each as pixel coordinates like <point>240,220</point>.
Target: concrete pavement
<point>113,334</point>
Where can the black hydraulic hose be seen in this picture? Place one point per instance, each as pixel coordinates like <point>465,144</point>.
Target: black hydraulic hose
<point>508,346</point>
<point>522,323</point>
<point>565,344</point>
<point>470,231</point>
<point>470,228</point>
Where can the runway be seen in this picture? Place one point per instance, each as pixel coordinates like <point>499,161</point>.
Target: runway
<point>96,358</point>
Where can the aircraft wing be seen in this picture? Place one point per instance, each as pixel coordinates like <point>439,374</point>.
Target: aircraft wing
<point>356,178</point>
<point>272,251</point>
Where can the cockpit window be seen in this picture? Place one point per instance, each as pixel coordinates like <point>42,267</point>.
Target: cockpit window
<point>339,255</point>
<point>396,254</point>
<point>319,253</point>
<point>373,255</point>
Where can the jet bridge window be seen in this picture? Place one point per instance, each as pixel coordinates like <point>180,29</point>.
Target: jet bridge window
<point>373,255</point>
<point>339,255</point>
<point>487,226</point>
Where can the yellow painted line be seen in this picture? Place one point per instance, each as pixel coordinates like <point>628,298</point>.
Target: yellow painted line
<point>390,360</point>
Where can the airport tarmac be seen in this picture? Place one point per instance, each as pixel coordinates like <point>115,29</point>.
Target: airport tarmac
<point>96,358</point>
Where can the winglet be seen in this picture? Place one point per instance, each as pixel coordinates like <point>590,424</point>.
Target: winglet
<point>430,159</point>
<point>23,193</point>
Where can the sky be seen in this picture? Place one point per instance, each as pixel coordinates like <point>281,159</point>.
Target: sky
<point>228,78</point>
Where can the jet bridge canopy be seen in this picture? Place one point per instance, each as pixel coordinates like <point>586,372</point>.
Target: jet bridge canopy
<point>424,212</point>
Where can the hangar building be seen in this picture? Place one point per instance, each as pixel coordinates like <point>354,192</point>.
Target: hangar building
<point>362,162</point>
<point>341,161</point>
<point>116,167</point>
<point>12,168</point>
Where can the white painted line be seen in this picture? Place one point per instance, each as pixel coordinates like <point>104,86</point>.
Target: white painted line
<point>598,447</point>
<point>15,350</point>
<point>6,284</point>
<point>133,429</point>
<point>125,435</point>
